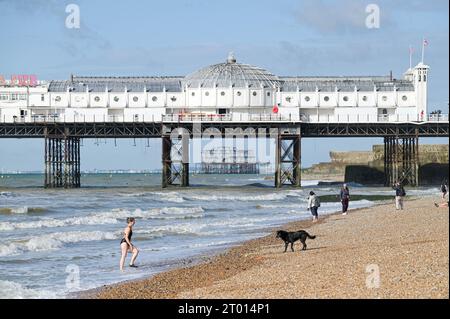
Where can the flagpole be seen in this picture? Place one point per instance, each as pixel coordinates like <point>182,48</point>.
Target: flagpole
<point>410,57</point>
<point>423,49</point>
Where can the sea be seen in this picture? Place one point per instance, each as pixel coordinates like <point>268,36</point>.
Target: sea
<point>57,242</point>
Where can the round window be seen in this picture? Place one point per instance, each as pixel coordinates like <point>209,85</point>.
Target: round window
<point>384,98</point>
<point>135,99</point>
<point>307,98</point>
<point>116,99</point>
<point>58,99</point>
<point>288,99</point>
<point>222,93</point>
<point>326,98</point>
<point>364,98</point>
<point>207,93</point>
<point>173,98</point>
<point>345,98</point>
<point>404,98</point>
<point>238,93</point>
<point>97,99</point>
<point>254,93</point>
<point>154,99</point>
<point>193,93</point>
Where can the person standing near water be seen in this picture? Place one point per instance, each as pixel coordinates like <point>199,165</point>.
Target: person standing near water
<point>345,198</point>
<point>313,205</point>
<point>444,189</point>
<point>126,245</point>
<point>399,195</point>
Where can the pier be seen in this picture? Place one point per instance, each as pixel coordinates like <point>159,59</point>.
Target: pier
<point>62,143</point>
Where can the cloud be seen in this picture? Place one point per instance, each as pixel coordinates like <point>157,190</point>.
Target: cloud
<point>327,16</point>
<point>348,17</point>
<point>75,42</point>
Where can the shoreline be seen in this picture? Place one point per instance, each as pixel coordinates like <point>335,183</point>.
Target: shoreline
<point>210,270</point>
<point>215,256</point>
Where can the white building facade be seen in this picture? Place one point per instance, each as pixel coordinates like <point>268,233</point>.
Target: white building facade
<point>228,91</point>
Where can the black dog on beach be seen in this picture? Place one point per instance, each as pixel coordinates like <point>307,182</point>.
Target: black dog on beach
<point>291,237</point>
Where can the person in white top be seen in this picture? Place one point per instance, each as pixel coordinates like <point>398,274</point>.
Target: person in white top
<point>313,205</point>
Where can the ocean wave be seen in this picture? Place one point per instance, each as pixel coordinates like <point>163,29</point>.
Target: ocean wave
<point>6,194</point>
<point>158,213</point>
<point>53,241</point>
<point>22,210</point>
<point>111,217</point>
<point>171,230</point>
<point>309,183</point>
<point>14,290</point>
<point>171,197</point>
<point>244,198</point>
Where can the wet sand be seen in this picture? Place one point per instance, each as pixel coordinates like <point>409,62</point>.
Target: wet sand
<point>375,252</point>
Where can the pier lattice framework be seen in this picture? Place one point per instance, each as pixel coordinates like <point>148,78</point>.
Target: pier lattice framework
<point>62,144</point>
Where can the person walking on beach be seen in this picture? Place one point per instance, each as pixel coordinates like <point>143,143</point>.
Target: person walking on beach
<point>399,195</point>
<point>126,245</point>
<point>444,189</point>
<point>313,205</point>
<point>345,198</point>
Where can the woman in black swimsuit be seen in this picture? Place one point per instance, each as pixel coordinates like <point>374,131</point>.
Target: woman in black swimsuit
<point>126,245</point>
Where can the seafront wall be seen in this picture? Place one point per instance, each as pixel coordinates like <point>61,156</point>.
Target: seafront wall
<point>367,167</point>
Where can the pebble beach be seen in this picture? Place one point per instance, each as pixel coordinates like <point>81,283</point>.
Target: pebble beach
<point>375,252</point>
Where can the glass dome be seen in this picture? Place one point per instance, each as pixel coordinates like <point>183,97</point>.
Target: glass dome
<point>229,74</point>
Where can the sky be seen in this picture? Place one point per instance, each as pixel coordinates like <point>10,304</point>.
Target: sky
<point>286,37</point>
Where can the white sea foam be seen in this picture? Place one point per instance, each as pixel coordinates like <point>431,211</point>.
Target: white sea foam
<point>14,290</point>
<point>178,229</point>
<point>111,217</point>
<point>310,182</point>
<point>172,197</point>
<point>255,197</point>
<point>53,241</point>
<point>6,194</point>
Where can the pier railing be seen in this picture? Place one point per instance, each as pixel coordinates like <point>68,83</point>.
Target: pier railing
<point>232,118</point>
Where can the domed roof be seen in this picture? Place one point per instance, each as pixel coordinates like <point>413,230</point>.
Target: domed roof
<point>229,74</point>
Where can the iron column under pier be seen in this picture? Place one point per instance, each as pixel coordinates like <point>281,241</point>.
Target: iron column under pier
<point>175,160</point>
<point>62,162</point>
<point>401,160</point>
<point>288,160</point>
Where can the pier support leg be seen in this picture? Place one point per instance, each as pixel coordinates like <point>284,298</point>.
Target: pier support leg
<point>401,160</point>
<point>62,162</point>
<point>175,160</point>
<point>288,160</point>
